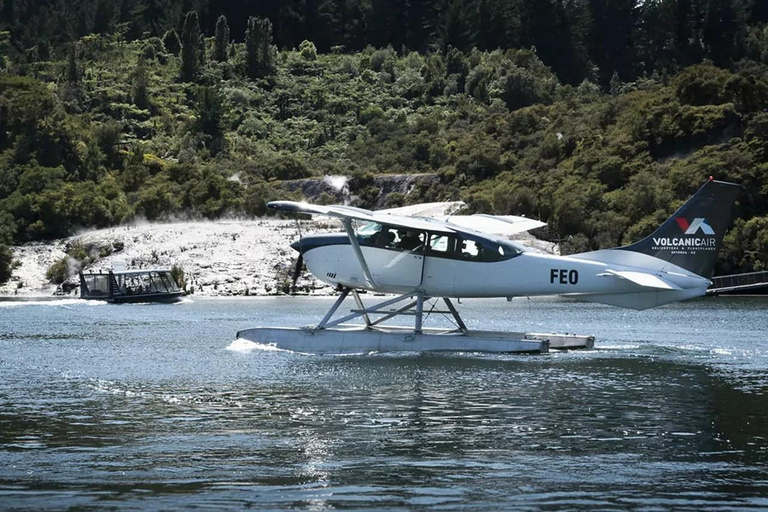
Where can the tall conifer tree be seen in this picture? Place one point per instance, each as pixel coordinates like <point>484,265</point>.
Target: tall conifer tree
<point>171,42</point>
<point>260,54</point>
<point>73,74</point>
<point>221,40</point>
<point>190,47</point>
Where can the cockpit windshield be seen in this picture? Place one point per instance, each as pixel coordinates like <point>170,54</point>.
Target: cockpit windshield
<point>390,237</point>
<point>368,229</point>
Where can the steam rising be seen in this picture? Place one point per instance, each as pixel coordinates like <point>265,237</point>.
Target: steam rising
<point>341,185</point>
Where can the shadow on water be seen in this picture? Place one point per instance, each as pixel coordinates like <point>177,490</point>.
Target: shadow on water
<point>95,419</point>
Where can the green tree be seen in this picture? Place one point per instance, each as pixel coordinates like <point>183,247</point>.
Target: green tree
<point>7,226</point>
<point>44,50</point>
<point>190,47</point>
<point>455,26</point>
<point>4,115</point>
<point>203,57</point>
<point>723,24</point>
<point>6,262</point>
<point>260,54</point>
<point>209,109</point>
<point>171,42</point>
<point>102,19</point>
<point>141,84</point>
<point>221,40</point>
<point>73,74</point>
<point>612,45</point>
<point>307,50</point>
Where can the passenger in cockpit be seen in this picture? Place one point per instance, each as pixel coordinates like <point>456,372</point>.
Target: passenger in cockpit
<point>409,240</point>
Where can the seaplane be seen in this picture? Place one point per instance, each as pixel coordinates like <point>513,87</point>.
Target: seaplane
<point>427,261</point>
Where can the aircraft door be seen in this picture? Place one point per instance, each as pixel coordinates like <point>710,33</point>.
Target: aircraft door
<point>395,257</point>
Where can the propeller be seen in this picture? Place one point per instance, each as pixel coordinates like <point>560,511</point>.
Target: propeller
<point>297,271</point>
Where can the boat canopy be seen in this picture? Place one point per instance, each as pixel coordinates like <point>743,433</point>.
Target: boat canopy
<point>128,283</point>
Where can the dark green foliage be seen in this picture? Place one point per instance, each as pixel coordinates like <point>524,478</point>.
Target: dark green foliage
<point>221,40</point>
<point>6,263</point>
<point>141,84</point>
<point>307,50</point>
<point>60,270</point>
<point>171,42</point>
<point>73,73</point>
<point>6,238</point>
<point>43,51</point>
<point>177,273</point>
<point>190,47</point>
<point>203,51</point>
<point>209,107</point>
<point>260,54</point>
<point>578,38</point>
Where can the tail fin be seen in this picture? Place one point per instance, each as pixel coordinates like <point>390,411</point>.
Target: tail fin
<point>693,236</point>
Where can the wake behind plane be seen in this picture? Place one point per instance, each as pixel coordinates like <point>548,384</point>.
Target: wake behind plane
<point>443,257</point>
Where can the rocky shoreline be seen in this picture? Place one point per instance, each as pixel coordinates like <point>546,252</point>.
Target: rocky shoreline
<point>223,258</point>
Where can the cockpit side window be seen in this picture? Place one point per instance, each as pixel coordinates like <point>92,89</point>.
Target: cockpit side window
<point>390,237</point>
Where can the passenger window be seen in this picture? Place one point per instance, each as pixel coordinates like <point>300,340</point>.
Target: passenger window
<point>484,250</point>
<point>409,240</point>
<point>469,250</point>
<point>441,245</point>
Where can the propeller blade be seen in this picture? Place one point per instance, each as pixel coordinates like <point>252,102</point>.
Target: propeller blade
<point>298,268</point>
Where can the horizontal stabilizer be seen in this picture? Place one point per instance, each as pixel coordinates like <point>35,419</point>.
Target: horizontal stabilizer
<point>642,279</point>
<point>642,300</point>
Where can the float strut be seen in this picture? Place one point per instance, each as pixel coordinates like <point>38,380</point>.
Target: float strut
<point>360,305</point>
<point>333,309</point>
<point>419,312</point>
<point>455,314</point>
<point>358,313</point>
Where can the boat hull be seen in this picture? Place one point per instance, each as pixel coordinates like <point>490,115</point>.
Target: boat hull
<point>165,298</point>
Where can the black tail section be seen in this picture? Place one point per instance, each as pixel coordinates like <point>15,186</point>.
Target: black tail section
<point>693,236</point>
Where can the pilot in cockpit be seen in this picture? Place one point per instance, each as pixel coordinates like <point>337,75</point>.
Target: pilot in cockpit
<point>386,238</point>
<point>409,240</point>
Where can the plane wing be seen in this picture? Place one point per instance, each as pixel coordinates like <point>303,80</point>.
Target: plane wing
<point>429,210</point>
<point>427,216</point>
<point>503,225</point>
<point>643,279</point>
<point>348,212</point>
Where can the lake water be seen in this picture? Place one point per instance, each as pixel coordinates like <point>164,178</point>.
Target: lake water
<point>154,406</point>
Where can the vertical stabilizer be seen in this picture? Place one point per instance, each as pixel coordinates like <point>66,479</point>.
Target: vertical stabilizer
<point>693,236</point>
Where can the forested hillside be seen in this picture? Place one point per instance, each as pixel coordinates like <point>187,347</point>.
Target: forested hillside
<point>597,116</point>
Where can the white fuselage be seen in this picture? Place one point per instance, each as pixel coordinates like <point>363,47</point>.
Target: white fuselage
<point>527,274</point>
